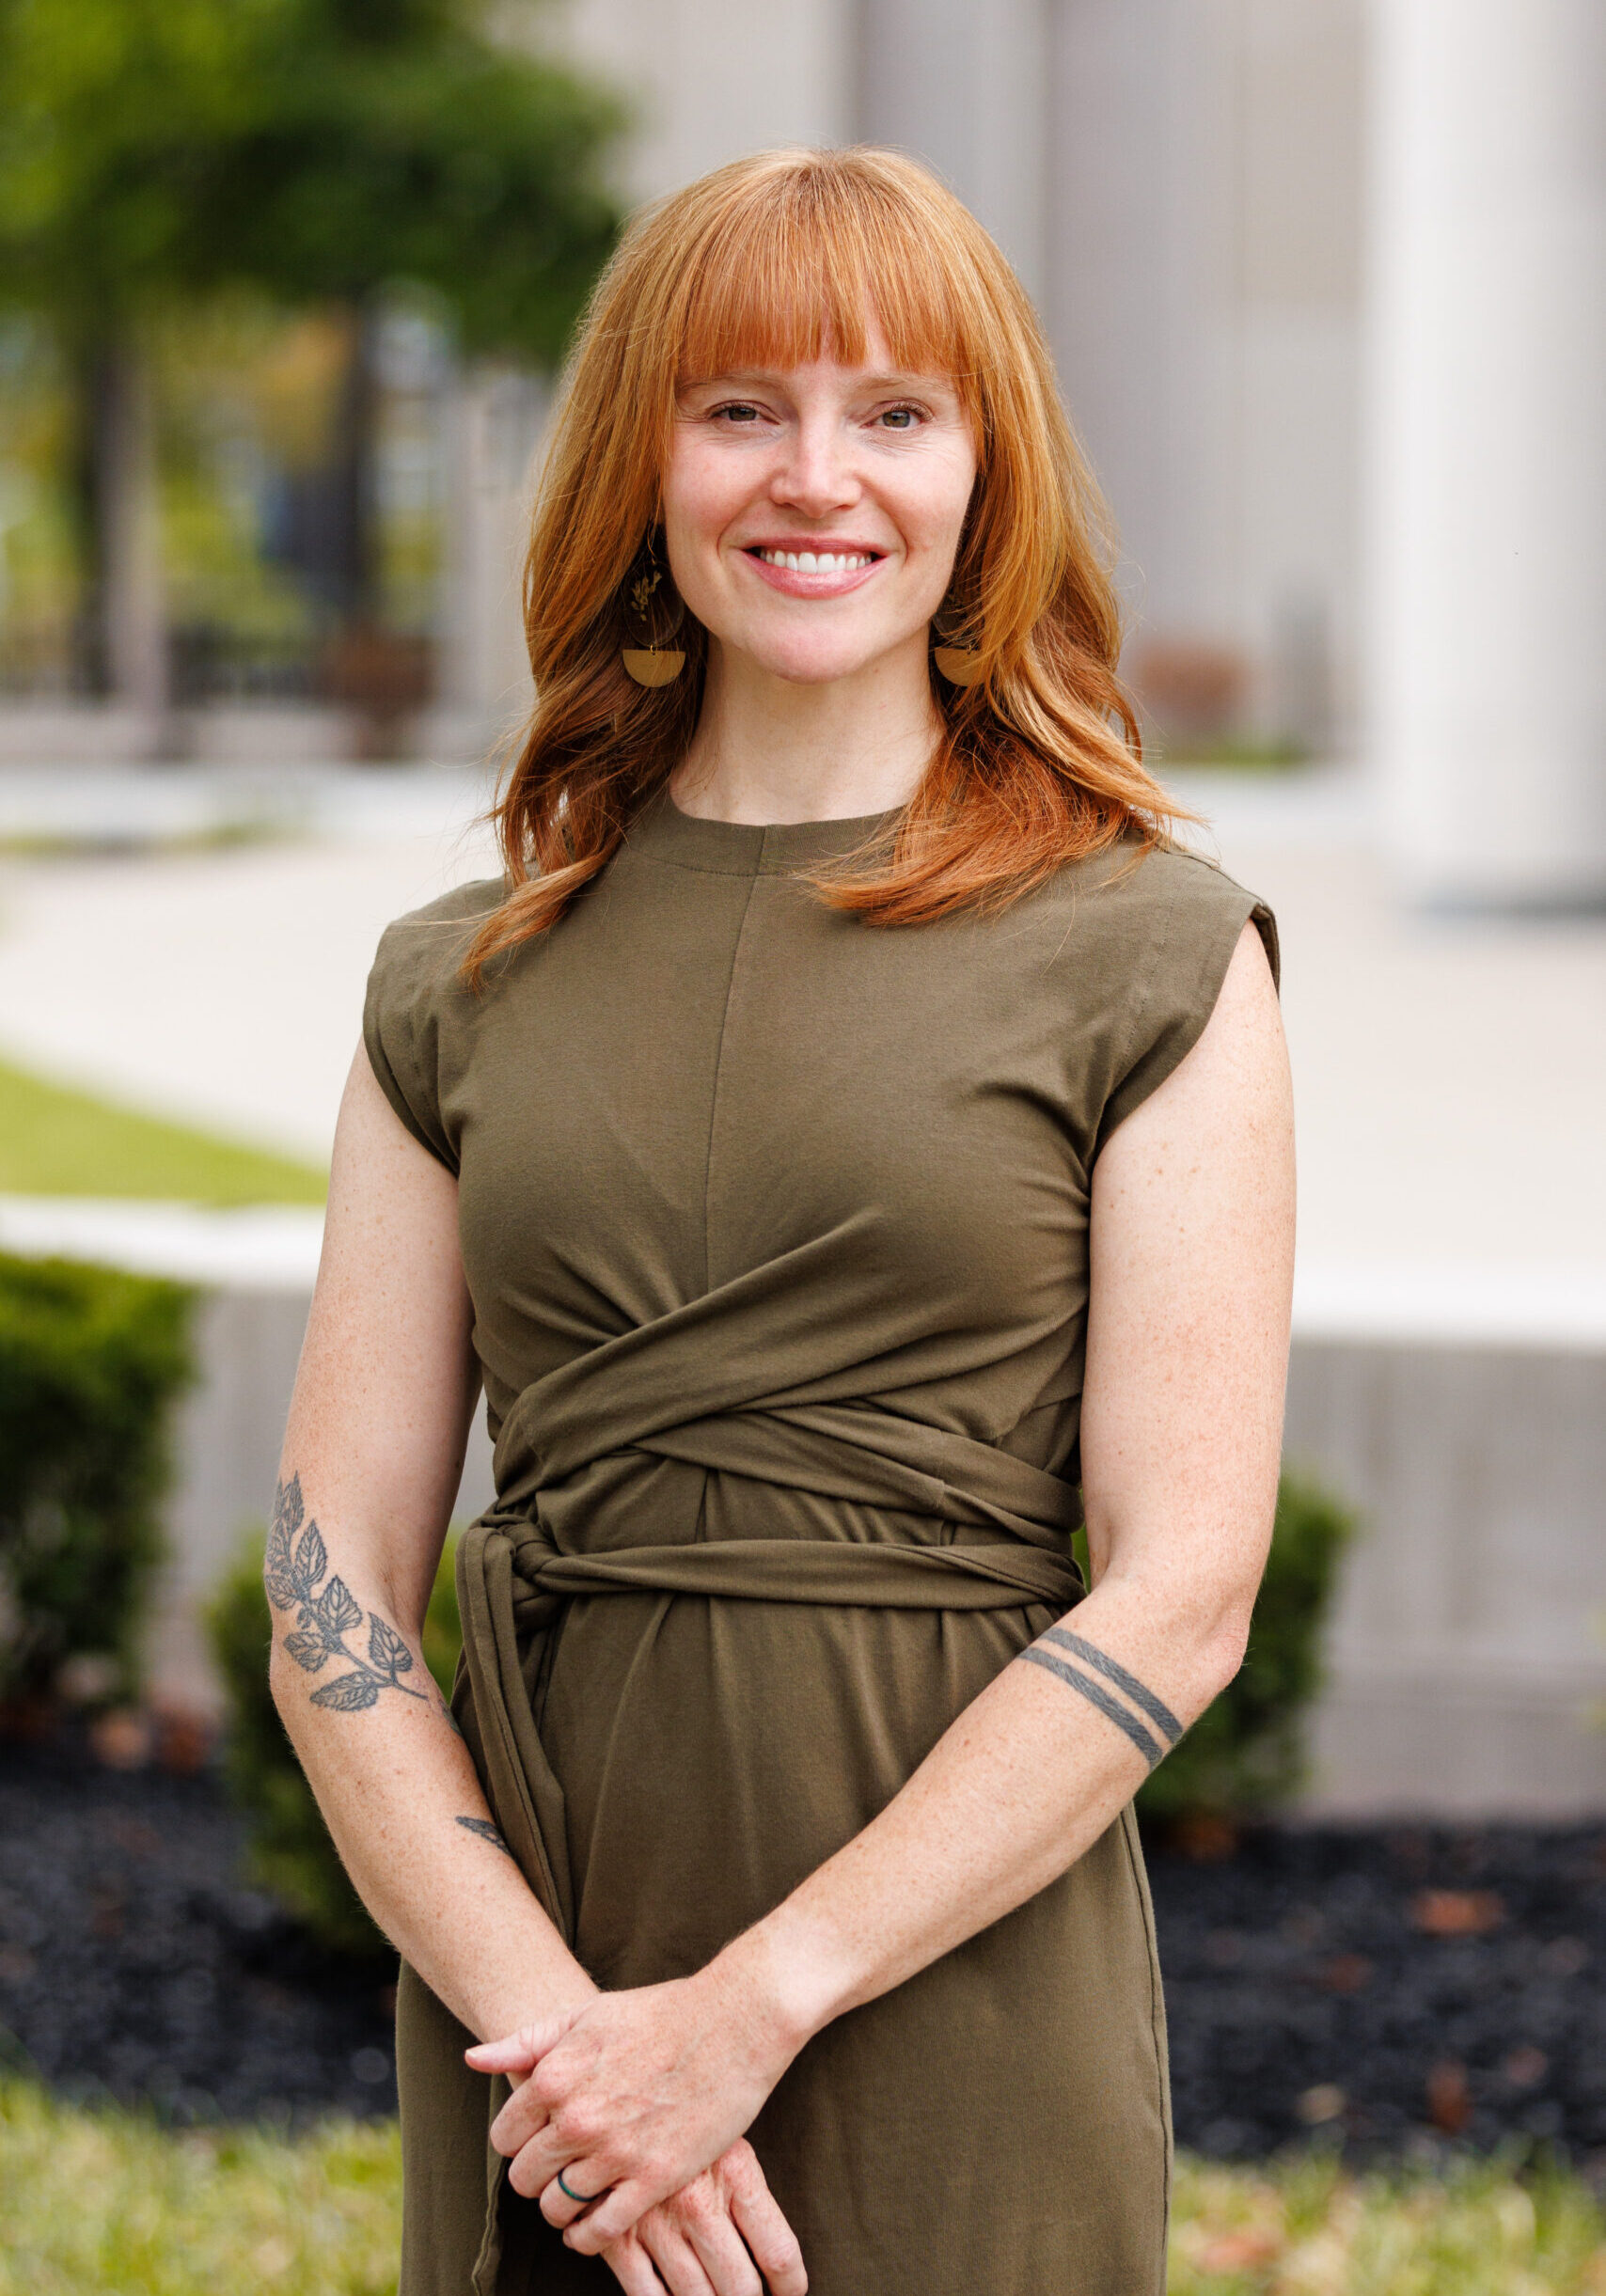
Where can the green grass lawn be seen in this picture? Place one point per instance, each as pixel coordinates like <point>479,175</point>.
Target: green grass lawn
<point>106,2203</point>
<point>109,2204</point>
<point>54,1141</point>
<point>1303,2228</point>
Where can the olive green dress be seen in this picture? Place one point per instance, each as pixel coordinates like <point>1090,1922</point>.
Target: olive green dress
<point>776,1225</point>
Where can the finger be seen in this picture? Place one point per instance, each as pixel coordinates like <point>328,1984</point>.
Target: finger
<point>757,2216</point>
<point>537,2162</point>
<point>615,2214</point>
<point>521,2120</point>
<point>675,2258</point>
<point>510,2056</point>
<point>721,2249</point>
<point>518,2051</point>
<point>558,2204</point>
<point>633,2268</point>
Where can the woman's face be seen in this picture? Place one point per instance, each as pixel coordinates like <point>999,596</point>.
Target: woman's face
<point>812,514</point>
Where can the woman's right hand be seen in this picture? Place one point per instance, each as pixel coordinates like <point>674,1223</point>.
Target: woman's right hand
<point>713,2238</point>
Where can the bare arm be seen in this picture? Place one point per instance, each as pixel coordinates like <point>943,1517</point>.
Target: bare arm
<point>1191,1276</point>
<point>372,1457</point>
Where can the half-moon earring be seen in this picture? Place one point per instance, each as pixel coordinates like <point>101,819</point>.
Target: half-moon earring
<point>959,665</point>
<point>657,609</point>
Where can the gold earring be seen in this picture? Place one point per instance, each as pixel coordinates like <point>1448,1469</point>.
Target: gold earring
<point>654,663</point>
<point>959,665</point>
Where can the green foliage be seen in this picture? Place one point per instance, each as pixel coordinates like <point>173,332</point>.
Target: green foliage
<point>161,150</point>
<point>54,1141</point>
<point>91,1358</point>
<point>1245,1752</point>
<point>291,1854</point>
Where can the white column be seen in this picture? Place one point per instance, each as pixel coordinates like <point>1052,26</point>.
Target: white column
<point>494,417</point>
<point>1139,265</point>
<point>1486,444</point>
<point>710,81</point>
<point>134,601</point>
<point>963,88</point>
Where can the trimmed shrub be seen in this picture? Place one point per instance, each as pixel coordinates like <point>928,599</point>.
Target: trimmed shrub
<point>90,1361</point>
<point>1245,1752</point>
<point>291,1853</point>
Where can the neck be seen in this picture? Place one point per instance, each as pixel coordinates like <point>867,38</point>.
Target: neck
<point>769,750</point>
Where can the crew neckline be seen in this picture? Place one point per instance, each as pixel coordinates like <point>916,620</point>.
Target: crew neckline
<point>745,848</point>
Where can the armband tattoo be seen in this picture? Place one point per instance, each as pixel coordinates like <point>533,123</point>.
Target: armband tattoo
<point>1082,1678</point>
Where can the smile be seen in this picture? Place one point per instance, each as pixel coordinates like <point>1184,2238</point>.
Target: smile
<point>813,573</point>
<point>817,561</point>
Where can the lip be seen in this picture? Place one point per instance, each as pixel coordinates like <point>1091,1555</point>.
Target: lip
<point>793,583</point>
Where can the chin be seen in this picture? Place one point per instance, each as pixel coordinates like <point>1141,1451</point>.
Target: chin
<point>815,665</point>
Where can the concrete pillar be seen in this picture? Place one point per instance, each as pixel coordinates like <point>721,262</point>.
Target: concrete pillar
<point>963,87</point>
<point>133,601</point>
<point>711,81</point>
<point>494,415</point>
<point>1486,444</point>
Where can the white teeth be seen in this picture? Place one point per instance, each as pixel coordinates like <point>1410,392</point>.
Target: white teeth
<point>817,561</point>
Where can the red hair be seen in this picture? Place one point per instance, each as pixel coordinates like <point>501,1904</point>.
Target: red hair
<point>773,261</point>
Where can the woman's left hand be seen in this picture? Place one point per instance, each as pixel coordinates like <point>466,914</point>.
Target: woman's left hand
<point>631,2094</point>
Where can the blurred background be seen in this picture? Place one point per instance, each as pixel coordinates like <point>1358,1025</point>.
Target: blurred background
<point>283,290</point>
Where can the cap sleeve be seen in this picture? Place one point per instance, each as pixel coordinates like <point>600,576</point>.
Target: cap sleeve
<point>1195,914</point>
<point>418,1014</point>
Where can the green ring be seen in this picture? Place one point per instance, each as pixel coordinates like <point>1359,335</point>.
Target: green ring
<point>585,2199</point>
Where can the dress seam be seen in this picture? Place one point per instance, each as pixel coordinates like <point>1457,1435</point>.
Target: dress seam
<point>715,1097</point>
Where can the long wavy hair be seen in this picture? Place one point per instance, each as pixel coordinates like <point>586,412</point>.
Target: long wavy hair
<point>773,261</point>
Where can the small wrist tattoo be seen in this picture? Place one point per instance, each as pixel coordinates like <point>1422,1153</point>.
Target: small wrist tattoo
<point>487,1832</point>
<point>1078,1678</point>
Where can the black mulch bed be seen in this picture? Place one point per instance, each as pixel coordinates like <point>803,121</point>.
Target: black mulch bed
<point>133,1962</point>
<point>1385,1988</point>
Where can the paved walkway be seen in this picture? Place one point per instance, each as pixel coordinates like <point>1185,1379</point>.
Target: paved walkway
<point>1451,1074</point>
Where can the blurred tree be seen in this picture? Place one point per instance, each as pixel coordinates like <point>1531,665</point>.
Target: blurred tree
<point>153,151</point>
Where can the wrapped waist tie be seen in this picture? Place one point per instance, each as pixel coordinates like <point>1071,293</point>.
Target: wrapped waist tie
<point>569,1449</point>
<point>512,1583</point>
<point>1006,1547</point>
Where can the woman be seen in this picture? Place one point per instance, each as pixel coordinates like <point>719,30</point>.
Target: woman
<point>846,1126</point>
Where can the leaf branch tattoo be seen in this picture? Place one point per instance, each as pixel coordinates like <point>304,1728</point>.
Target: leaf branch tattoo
<point>297,1561</point>
<point>1158,1712</point>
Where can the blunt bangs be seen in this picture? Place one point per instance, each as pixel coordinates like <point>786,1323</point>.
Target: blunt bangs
<point>799,268</point>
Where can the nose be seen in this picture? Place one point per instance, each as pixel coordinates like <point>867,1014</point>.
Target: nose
<point>816,475</point>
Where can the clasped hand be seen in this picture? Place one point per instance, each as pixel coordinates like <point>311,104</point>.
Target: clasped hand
<point>638,2096</point>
